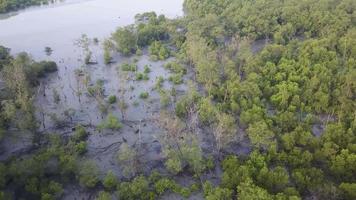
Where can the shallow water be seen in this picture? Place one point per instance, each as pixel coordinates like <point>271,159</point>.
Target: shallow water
<point>60,24</point>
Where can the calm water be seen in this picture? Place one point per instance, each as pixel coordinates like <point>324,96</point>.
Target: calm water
<point>59,25</point>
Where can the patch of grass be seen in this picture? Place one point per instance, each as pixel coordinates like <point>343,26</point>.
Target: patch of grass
<point>140,76</point>
<point>128,67</point>
<point>111,122</point>
<point>176,79</point>
<point>159,82</point>
<point>144,95</point>
<point>175,67</point>
<point>147,69</point>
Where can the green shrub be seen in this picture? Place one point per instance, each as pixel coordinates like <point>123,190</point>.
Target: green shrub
<point>88,174</point>
<point>147,69</point>
<point>144,95</point>
<point>112,99</point>
<point>111,122</point>
<point>174,165</point>
<point>159,82</point>
<point>126,40</point>
<point>163,185</point>
<point>177,79</point>
<point>110,181</point>
<point>81,147</point>
<point>136,189</point>
<point>146,77</point>
<point>349,190</point>
<point>158,51</point>
<point>104,196</point>
<point>107,56</point>
<point>128,67</point>
<point>139,76</point>
<point>206,111</point>
<point>80,133</point>
<point>175,68</point>
<point>164,98</point>
<point>139,52</point>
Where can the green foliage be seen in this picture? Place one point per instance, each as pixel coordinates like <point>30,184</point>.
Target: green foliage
<point>349,190</point>
<point>206,111</point>
<point>129,67</point>
<point>344,165</point>
<point>158,51</point>
<point>186,101</point>
<point>159,82</point>
<point>108,46</point>
<point>81,147</point>
<point>88,175</point>
<point>164,98</point>
<point>126,158</point>
<point>80,133</point>
<point>125,39</point>
<point>112,99</point>
<point>247,190</point>
<point>110,181</point>
<point>260,135</point>
<point>150,28</point>
<point>136,189</point>
<point>142,76</point>
<point>13,5</point>
<point>175,67</point>
<point>165,184</point>
<point>144,95</point>
<point>147,69</point>
<point>173,163</point>
<point>111,122</point>
<point>177,79</point>
<point>104,196</point>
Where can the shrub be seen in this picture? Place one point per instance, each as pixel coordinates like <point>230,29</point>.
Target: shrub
<point>137,189</point>
<point>80,133</point>
<point>139,76</point>
<point>81,147</point>
<point>110,181</point>
<point>112,99</point>
<point>144,95</point>
<point>175,68</point>
<point>163,185</point>
<point>88,174</point>
<point>159,82</point>
<point>164,98</point>
<point>126,157</point>
<point>128,67</point>
<point>107,56</point>
<point>206,111</point>
<point>177,79</point>
<point>174,166</point>
<point>349,190</point>
<point>125,39</point>
<point>111,122</point>
<point>158,51</point>
<point>139,52</point>
<point>147,69</point>
<point>104,196</point>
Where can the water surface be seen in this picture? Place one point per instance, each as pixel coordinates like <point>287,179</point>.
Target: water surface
<point>60,24</point>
